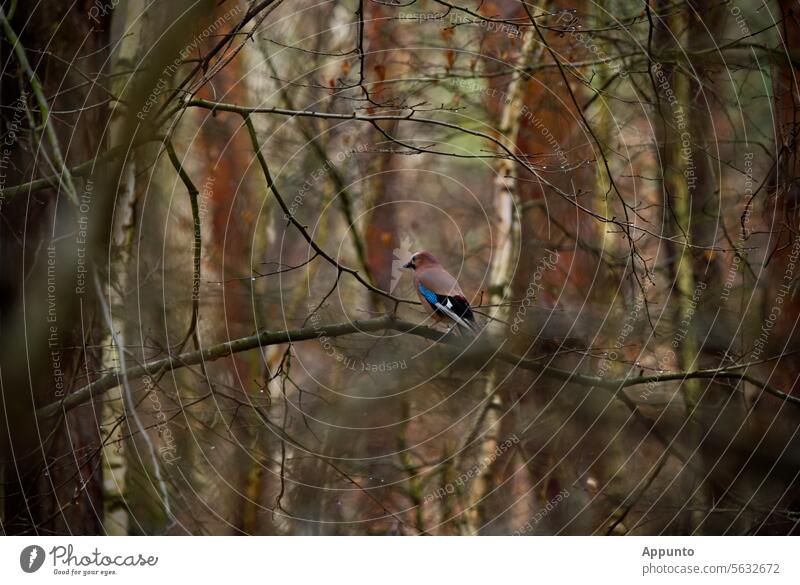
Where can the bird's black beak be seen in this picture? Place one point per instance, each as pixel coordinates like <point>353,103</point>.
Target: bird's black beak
<point>409,264</point>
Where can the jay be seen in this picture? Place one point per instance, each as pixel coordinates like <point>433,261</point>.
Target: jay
<point>440,294</point>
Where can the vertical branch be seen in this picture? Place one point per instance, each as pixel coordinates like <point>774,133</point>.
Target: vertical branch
<point>198,242</point>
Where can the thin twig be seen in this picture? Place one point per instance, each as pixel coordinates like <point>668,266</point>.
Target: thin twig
<point>44,108</point>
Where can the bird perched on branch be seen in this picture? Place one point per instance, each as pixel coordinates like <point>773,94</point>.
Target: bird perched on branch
<point>440,293</point>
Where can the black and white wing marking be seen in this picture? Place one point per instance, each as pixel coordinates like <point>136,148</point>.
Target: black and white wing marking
<point>455,307</point>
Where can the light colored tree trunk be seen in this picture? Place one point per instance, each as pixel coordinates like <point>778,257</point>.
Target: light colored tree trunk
<point>604,132</point>
<point>115,463</point>
<point>506,252</point>
<point>128,23</point>
<point>681,203</point>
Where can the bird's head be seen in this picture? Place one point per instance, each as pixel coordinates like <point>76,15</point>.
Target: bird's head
<point>421,260</point>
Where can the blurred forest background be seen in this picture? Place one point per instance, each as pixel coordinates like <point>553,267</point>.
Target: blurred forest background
<point>205,209</point>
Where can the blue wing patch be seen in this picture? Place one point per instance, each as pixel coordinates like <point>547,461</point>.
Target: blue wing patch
<point>429,295</point>
<point>456,308</point>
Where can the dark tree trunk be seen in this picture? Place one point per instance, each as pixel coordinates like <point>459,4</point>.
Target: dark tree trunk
<point>50,471</point>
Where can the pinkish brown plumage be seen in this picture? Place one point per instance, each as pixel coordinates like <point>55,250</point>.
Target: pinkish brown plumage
<point>440,293</point>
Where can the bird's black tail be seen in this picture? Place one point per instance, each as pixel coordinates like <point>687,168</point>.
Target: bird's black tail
<point>457,309</point>
<point>466,325</point>
<point>471,329</point>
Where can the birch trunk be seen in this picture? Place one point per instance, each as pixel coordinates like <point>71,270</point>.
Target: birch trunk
<point>126,33</point>
<point>506,203</point>
<point>115,466</point>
